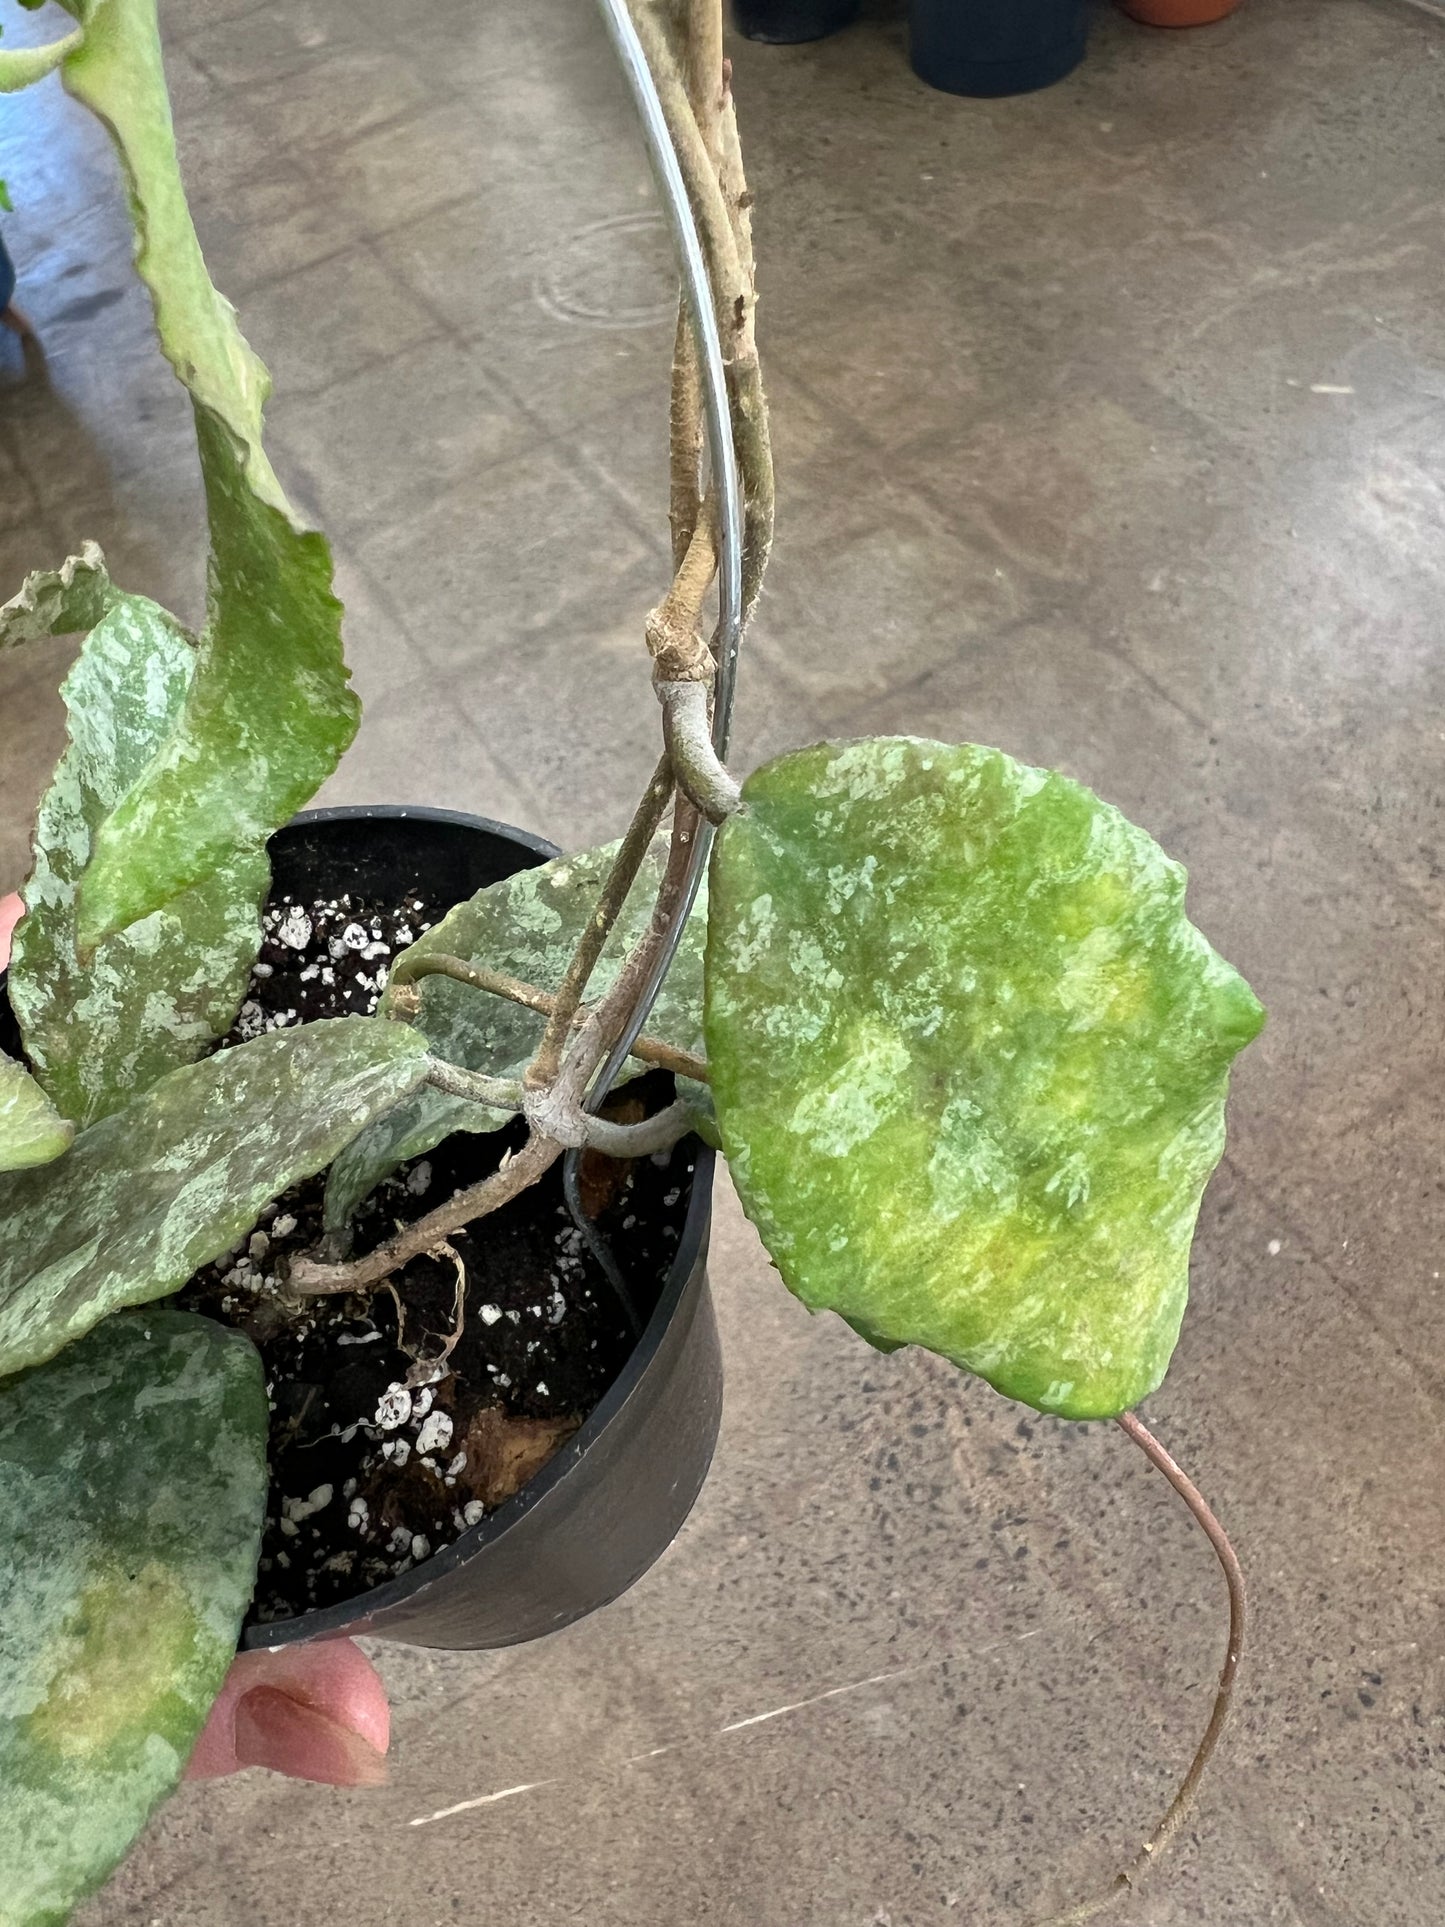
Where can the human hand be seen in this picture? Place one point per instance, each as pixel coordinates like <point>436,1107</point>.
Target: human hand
<point>11,911</point>
<point>315,1712</point>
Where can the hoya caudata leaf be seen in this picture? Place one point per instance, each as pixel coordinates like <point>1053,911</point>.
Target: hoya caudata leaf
<point>527,926</point>
<point>268,710</point>
<point>969,1059</point>
<point>32,1131</point>
<point>152,1192</point>
<point>132,1494</point>
<point>161,991</point>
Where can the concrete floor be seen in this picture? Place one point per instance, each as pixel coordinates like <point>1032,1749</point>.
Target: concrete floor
<point>1109,426</point>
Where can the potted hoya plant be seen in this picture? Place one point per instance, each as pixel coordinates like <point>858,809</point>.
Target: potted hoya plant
<point>354,1166</point>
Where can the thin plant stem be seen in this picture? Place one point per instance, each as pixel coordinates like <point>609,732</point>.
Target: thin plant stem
<point>1181,1806</point>
<point>648,1050</point>
<point>543,1069</point>
<point>561,1106</point>
<point>721,202</point>
<point>702,35</point>
<point>437,963</point>
<point>657,1133</point>
<point>698,172</point>
<point>700,25</point>
<point>674,642</point>
<point>497,1093</point>
<point>700,774</point>
<point>750,409</point>
<point>684,440</point>
<point>518,1172</point>
<point>711,308</point>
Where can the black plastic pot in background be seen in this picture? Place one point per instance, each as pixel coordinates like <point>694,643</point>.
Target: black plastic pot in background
<point>987,48</point>
<point>784,22</point>
<point>610,1502</point>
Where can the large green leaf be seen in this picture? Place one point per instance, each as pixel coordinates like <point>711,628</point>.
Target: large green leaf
<point>528,926</point>
<point>970,1060</point>
<point>160,992</point>
<point>269,710</point>
<point>32,1131</point>
<point>132,1493</point>
<point>172,1181</point>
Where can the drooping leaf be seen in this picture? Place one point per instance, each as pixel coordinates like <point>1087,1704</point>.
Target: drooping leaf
<point>32,1131</point>
<point>527,926</point>
<point>158,993</point>
<point>267,716</point>
<point>59,602</point>
<point>152,1192</point>
<point>269,710</point>
<point>132,1494</point>
<point>970,1061</point>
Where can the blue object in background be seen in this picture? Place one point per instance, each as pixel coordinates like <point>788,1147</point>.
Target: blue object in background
<point>991,47</point>
<point>7,278</point>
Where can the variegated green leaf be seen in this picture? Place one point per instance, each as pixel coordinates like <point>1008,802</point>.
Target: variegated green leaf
<point>160,992</point>
<point>268,711</point>
<point>151,1192</point>
<point>528,926</point>
<point>970,1061</point>
<point>132,1493</point>
<point>32,1131</point>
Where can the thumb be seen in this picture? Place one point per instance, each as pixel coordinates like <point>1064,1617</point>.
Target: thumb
<point>11,911</point>
<point>312,1712</point>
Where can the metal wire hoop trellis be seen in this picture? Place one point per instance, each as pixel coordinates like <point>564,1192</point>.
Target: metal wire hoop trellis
<point>697,294</point>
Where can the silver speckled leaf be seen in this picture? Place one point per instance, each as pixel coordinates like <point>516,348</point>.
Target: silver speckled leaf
<point>970,1060</point>
<point>528,925</point>
<point>268,711</point>
<point>132,1492</point>
<point>32,1131</point>
<point>151,1192</point>
<point>160,992</point>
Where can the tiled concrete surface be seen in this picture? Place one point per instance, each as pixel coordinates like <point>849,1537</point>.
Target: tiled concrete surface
<point>1063,467</point>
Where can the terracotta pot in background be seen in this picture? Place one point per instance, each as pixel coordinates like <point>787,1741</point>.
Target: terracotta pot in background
<point>1178,13</point>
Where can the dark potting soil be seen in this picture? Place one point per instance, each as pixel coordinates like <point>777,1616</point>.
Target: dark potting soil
<point>397,1423</point>
<point>329,958</point>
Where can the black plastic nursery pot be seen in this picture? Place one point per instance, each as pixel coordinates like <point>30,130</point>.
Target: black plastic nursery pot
<point>785,22</point>
<point>988,48</point>
<point>610,1501</point>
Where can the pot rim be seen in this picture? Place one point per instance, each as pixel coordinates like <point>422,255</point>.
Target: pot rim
<point>423,813</point>
<point>348,1616</point>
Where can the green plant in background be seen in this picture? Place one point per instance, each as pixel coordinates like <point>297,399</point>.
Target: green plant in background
<point>964,1051</point>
